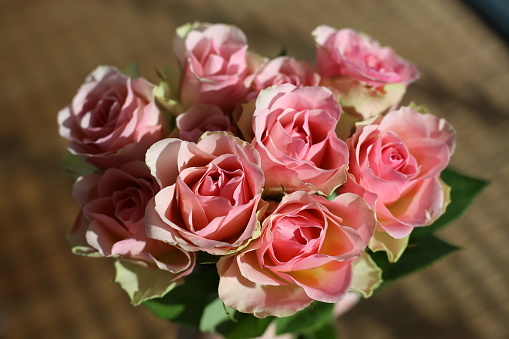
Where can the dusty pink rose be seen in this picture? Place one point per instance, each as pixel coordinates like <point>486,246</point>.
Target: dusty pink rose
<point>346,52</point>
<point>112,219</point>
<point>305,253</point>
<point>112,119</point>
<point>399,158</point>
<point>294,131</point>
<point>213,61</point>
<point>202,118</point>
<point>283,70</point>
<point>210,196</point>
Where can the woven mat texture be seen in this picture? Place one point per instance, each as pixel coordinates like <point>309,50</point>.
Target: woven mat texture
<point>47,47</point>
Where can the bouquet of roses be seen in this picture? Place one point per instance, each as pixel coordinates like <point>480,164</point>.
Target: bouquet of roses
<point>243,190</point>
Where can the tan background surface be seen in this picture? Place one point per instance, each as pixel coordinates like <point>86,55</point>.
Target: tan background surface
<point>47,47</point>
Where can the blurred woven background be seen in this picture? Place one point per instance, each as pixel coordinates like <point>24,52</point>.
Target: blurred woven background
<point>47,47</point>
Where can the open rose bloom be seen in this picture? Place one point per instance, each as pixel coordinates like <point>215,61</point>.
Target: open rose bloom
<point>113,119</point>
<point>284,177</point>
<point>367,78</point>
<point>305,253</point>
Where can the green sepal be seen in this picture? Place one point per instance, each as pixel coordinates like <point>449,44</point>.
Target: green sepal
<point>86,251</point>
<point>333,196</point>
<point>132,70</point>
<point>76,166</point>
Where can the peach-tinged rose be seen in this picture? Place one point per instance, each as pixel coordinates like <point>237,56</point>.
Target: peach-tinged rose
<point>346,52</point>
<point>283,70</point>
<point>210,193</point>
<point>213,60</point>
<point>399,157</point>
<point>200,119</point>
<point>113,119</point>
<point>305,253</point>
<point>294,131</point>
<point>111,223</point>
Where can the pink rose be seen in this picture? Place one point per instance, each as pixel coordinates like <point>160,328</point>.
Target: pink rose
<point>346,52</point>
<point>305,253</point>
<point>213,63</point>
<point>113,119</point>
<point>399,158</point>
<point>200,119</point>
<point>210,196</point>
<point>294,131</point>
<point>283,70</point>
<point>112,219</point>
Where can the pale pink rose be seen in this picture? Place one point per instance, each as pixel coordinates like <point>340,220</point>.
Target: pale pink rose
<point>202,118</point>
<point>213,61</point>
<point>283,70</point>
<point>112,219</point>
<point>346,52</point>
<point>305,253</point>
<point>112,120</point>
<point>294,131</point>
<point>210,196</point>
<point>399,158</point>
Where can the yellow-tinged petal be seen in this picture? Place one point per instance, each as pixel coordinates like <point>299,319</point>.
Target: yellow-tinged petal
<point>367,276</point>
<point>447,194</point>
<point>382,241</point>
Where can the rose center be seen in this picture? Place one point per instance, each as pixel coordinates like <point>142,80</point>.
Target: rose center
<point>129,207</point>
<point>295,236</point>
<point>373,62</point>
<point>211,185</point>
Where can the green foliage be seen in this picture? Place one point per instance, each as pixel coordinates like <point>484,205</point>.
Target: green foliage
<point>243,326</point>
<point>326,332</point>
<point>131,70</point>
<point>76,166</point>
<point>185,304</point>
<point>420,253</point>
<point>195,304</point>
<point>310,320</point>
<point>214,314</point>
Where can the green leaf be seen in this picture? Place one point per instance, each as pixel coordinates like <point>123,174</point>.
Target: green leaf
<point>185,304</point>
<point>463,191</point>
<point>283,52</point>
<point>420,253</point>
<point>213,315</point>
<point>311,318</point>
<point>131,70</point>
<point>76,166</point>
<point>325,332</point>
<point>142,283</point>
<point>244,326</point>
